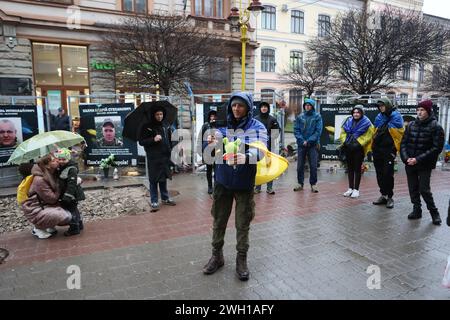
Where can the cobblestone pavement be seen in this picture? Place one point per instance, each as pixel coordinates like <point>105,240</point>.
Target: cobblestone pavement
<point>302,246</point>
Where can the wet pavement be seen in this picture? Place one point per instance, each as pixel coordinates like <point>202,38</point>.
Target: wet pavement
<point>302,246</point>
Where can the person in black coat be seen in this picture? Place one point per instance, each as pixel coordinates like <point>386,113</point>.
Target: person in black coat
<point>156,138</point>
<point>206,138</point>
<point>62,120</point>
<point>273,131</point>
<point>421,145</point>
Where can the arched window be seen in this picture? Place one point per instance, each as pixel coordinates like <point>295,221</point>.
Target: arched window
<point>297,21</point>
<point>268,19</point>
<point>267,60</point>
<point>296,61</point>
<point>324,25</point>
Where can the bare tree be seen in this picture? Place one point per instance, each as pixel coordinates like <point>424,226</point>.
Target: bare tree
<point>314,75</point>
<point>310,77</point>
<point>164,50</point>
<point>438,79</point>
<point>365,50</point>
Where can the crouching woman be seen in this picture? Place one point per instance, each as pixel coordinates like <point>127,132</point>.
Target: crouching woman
<point>42,207</point>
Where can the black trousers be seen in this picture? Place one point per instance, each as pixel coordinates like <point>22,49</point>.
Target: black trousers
<point>384,167</point>
<point>76,215</point>
<point>419,185</point>
<point>354,163</point>
<point>209,174</point>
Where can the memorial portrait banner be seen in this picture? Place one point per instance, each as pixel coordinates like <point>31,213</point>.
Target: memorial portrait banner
<point>101,125</point>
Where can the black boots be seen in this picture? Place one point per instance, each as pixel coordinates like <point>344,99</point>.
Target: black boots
<point>435,217</point>
<point>241,266</point>
<point>415,214</point>
<point>215,262</point>
<point>74,229</point>
<point>380,200</point>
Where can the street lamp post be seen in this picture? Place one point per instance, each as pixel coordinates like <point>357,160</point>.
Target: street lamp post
<point>241,18</point>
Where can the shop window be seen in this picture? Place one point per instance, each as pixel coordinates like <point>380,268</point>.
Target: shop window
<point>47,64</point>
<point>57,65</point>
<point>75,68</point>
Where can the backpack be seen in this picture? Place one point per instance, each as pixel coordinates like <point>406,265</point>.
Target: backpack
<point>22,189</point>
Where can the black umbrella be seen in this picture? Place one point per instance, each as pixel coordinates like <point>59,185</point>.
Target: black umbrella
<point>142,115</point>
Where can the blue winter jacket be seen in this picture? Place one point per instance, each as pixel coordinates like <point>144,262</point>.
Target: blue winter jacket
<point>241,177</point>
<point>308,126</point>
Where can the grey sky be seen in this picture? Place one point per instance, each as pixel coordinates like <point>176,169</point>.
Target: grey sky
<point>440,8</point>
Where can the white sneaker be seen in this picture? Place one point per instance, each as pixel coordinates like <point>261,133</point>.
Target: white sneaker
<point>355,194</point>
<point>41,234</point>
<point>348,193</point>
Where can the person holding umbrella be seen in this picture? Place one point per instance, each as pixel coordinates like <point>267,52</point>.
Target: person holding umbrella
<point>42,208</point>
<point>156,138</point>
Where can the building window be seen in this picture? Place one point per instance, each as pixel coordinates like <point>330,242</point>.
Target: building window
<point>297,22</point>
<point>324,25</point>
<point>296,61</point>
<point>435,75</point>
<point>391,95</point>
<point>267,60</point>
<point>321,97</point>
<point>137,6</point>
<point>295,100</point>
<point>209,8</point>
<point>419,97</point>
<point>406,72</point>
<point>324,64</point>
<point>347,29</point>
<point>268,18</point>
<point>421,72</point>
<point>403,99</point>
<point>59,65</point>
<point>267,95</point>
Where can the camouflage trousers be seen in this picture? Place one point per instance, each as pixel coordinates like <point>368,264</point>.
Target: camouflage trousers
<point>221,210</point>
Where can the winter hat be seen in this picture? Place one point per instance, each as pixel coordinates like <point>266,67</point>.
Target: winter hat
<point>427,105</point>
<point>310,102</point>
<point>238,100</point>
<point>358,107</point>
<point>62,153</point>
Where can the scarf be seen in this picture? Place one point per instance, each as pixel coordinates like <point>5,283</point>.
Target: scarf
<point>355,129</point>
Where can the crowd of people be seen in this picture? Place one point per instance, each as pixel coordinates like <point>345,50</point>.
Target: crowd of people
<point>56,191</point>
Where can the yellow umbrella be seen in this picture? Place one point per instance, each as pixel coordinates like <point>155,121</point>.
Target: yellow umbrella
<point>270,167</point>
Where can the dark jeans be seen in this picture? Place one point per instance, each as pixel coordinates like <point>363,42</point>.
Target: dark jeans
<point>384,167</point>
<point>209,174</point>
<point>354,163</point>
<point>162,189</point>
<point>221,210</point>
<point>419,184</point>
<point>312,160</point>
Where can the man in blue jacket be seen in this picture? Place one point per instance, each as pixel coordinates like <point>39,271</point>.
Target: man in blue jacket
<point>235,180</point>
<point>307,131</point>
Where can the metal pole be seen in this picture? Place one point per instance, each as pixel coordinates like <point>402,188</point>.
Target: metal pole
<point>244,44</point>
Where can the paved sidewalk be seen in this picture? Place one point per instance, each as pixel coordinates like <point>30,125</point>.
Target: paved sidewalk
<point>302,246</point>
